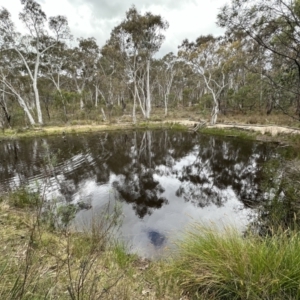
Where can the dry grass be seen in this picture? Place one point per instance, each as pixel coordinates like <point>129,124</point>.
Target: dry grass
<point>39,262</point>
<point>36,263</point>
<point>183,115</point>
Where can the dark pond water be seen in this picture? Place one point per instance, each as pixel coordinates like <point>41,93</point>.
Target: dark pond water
<point>163,180</point>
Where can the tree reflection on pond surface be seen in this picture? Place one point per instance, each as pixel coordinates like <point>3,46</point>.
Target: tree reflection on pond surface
<point>163,179</point>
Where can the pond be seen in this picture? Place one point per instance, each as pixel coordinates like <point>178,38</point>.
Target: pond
<point>163,180</point>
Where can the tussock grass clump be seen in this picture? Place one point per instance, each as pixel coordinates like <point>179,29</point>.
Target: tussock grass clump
<point>225,265</point>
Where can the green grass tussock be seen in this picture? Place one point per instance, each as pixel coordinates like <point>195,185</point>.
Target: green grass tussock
<point>226,265</point>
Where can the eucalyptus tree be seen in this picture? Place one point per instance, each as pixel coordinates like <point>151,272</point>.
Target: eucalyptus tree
<point>31,48</point>
<point>243,70</point>
<point>209,58</point>
<point>275,26</point>
<point>145,33</point>
<point>54,68</point>
<point>83,64</point>
<point>165,71</point>
<point>14,83</point>
<point>4,114</point>
<point>137,39</point>
<point>110,80</point>
<point>183,81</point>
<point>250,80</point>
<point>10,65</point>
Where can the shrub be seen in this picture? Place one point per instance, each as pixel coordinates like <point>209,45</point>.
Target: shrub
<point>24,198</point>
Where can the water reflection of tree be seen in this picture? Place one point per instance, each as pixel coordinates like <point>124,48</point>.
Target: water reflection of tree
<point>148,151</point>
<point>220,165</point>
<point>136,184</point>
<point>211,165</point>
<point>143,192</point>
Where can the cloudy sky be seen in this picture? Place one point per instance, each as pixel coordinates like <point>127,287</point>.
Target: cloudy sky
<point>96,18</point>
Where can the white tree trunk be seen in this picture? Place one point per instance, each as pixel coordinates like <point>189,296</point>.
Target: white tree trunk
<point>81,103</point>
<point>26,110</point>
<point>21,101</point>
<point>166,105</point>
<point>103,113</point>
<point>79,91</point>
<point>167,93</point>
<point>134,104</point>
<point>142,105</point>
<point>215,94</point>
<point>96,96</point>
<point>214,113</point>
<point>148,98</point>
<point>36,91</point>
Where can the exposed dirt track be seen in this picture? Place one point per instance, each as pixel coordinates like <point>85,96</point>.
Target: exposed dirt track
<point>273,129</point>
<point>263,129</point>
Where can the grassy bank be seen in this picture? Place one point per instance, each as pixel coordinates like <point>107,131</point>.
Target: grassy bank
<point>176,118</point>
<point>261,263</point>
<point>39,261</point>
<point>157,125</point>
<point>231,132</point>
<point>86,128</point>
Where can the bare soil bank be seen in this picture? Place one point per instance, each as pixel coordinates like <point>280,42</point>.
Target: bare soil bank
<point>262,129</point>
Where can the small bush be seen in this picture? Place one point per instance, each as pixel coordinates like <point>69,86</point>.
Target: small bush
<point>66,213</point>
<point>23,198</point>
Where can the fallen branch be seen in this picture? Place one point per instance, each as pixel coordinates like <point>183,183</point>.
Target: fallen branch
<point>199,125</point>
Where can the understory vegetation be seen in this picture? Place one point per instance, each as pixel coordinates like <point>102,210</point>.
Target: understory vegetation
<point>44,255</point>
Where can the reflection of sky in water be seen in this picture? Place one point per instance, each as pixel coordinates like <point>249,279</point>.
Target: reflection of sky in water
<point>197,179</point>
<point>149,235</point>
<point>171,219</point>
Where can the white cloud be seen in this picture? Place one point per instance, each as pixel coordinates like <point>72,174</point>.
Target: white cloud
<point>188,19</point>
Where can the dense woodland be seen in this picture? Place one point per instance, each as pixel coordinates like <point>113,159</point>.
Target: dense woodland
<point>46,76</point>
